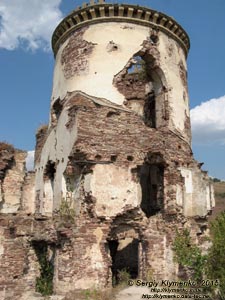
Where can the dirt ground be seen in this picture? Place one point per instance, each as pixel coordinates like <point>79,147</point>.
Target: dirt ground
<point>132,293</point>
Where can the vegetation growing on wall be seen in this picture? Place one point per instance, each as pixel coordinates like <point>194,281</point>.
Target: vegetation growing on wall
<point>189,255</point>
<point>44,283</point>
<point>66,212</point>
<point>210,266</point>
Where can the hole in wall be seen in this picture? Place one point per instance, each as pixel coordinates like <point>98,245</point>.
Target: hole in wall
<point>130,158</point>
<point>12,231</point>
<point>45,255</point>
<point>50,170</point>
<point>138,67</point>
<point>141,82</point>
<point>154,38</point>
<point>150,111</point>
<point>56,111</point>
<point>112,113</point>
<point>124,255</point>
<point>112,46</point>
<point>152,187</point>
<point>113,158</point>
<point>98,157</point>
<point>49,177</point>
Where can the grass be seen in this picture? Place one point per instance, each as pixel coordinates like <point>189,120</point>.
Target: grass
<point>92,294</point>
<point>104,294</point>
<point>219,188</point>
<point>66,212</point>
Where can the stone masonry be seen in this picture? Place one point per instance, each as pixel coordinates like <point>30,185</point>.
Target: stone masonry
<point>114,172</point>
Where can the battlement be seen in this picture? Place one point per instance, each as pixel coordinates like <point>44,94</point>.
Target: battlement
<point>96,12</point>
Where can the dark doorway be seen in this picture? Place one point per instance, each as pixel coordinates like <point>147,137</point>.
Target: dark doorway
<point>151,180</point>
<point>124,254</point>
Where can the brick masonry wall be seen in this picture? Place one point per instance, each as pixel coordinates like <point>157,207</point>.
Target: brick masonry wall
<point>111,135</point>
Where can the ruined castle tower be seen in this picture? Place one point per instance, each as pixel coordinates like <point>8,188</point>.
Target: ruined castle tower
<point>116,155</point>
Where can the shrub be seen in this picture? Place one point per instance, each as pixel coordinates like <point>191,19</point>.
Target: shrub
<point>123,277</point>
<point>189,255</point>
<point>216,257</point>
<point>44,283</point>
<point>222,195</point>
<point>66,212</point>
<point>216,179</point>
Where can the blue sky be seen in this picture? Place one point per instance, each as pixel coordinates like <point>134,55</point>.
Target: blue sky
<point>26,67</point>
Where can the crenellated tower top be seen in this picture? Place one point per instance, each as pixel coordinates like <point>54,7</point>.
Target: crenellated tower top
<point>98,12</point>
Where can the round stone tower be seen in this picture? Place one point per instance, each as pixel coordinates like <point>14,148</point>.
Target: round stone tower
<point>132,56</point>
<point>117,151</point>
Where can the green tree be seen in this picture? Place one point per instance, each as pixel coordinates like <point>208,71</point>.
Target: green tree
<point>216,179</point>
<point>189,255</point>
<point>216,257</point>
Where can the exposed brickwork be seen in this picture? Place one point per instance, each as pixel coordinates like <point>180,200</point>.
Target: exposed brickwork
<point>103,126</point>
<point>19,265</point>
<point>28,193</point>
<point>75,54</point>
<point>120,179</point>
<point>41,136</point>
<point>132,86</point>
<point>183,75</point>
<point>6,158</point>
<point>11,185</point>
<point>97,134</point>
<point>187,126</point>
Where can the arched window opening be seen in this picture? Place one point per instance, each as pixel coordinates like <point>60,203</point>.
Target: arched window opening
<point>138,67</point>
<point>143,85</point>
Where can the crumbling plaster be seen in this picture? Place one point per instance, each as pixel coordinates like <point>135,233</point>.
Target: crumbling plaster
<point>120,179</point>
<point>113,192</point>
<point>103,65</point>
<point>57,148</point>
<point>198,195</point>
<point>28,195</point>
<point>12,185</point>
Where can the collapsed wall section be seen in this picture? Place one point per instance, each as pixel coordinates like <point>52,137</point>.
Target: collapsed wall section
<point>126,194</point>
<point>16,184</point>
<point>154,163</point>
<point>114,171</point>
<point>90,252</point>
<point>148,72</point>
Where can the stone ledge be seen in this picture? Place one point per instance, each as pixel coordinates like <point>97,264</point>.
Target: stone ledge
<point>101,12</point>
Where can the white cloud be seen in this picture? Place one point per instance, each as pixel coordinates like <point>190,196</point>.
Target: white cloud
<point>30,161</point>
<point>28,23</point>
<point>208,122</point>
